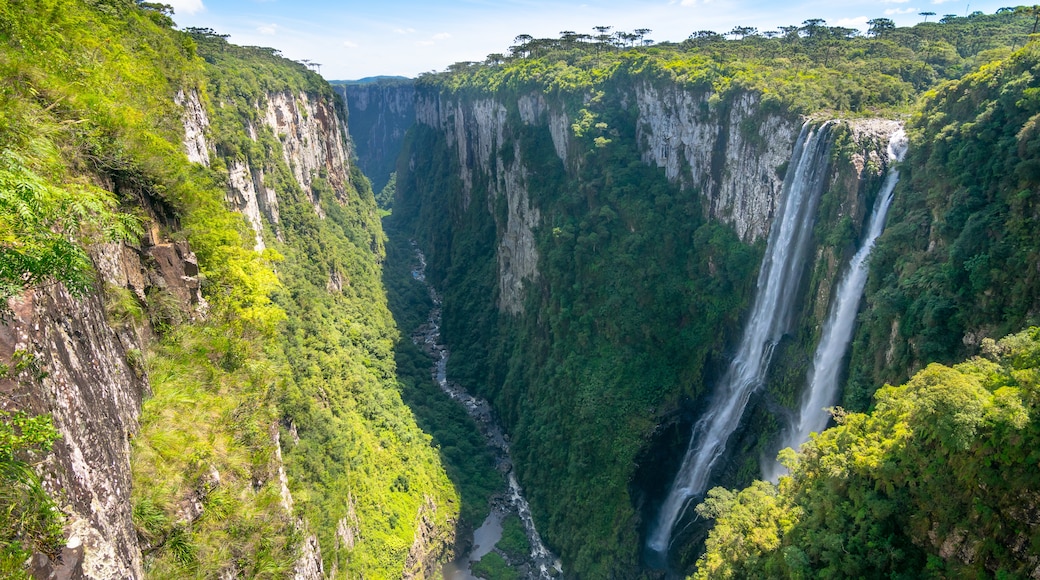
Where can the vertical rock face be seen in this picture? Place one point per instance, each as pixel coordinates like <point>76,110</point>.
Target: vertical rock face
<point>244,198</point>
<point>478,131</point>
<point>313,137</point>
<point>94,398</point>
<point>313,141</point>
<point>380,114</point>
<point>195,124</point>
<point>733,155</point>
<point>86,373</point>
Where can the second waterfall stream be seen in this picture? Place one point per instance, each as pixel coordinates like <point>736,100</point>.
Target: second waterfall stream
<point>827,365</point>
<point>770,318</point>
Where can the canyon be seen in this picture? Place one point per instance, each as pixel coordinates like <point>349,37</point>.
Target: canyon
<point>652,275</point>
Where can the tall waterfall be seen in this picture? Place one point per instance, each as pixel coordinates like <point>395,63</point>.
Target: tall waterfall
<point>837,330</point>
<point>770,318</point>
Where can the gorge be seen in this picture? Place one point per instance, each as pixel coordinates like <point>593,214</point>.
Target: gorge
<point>655,266</point>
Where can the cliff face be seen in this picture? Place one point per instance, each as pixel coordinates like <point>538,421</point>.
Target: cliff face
<point>313,141</point>
<point>88,373</point>
<point>380,114</point>
<point>731,156</point>
<point>477,133</point>
<point>734,155</point>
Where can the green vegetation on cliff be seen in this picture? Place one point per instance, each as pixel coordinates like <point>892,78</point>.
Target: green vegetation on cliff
<point>805,69</point>
<point>958,260</point>
<point>938,481</point>
<point>91,146</point>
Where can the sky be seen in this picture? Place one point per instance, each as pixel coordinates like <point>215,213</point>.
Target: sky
<point>353,39</point>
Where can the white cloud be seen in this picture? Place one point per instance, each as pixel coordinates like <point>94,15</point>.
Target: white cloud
<point>404,30</point>
<point>424,43</point>
<point>350,44</point>
<point>858,22</point>
<point>268,29</point>
<point>941,1</point>
<point>895,11</point>
<point>441,36</point>
<point>186,6</point>
<point>894,1</point>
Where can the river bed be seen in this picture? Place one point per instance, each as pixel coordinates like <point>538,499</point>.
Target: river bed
<point>542,564</point>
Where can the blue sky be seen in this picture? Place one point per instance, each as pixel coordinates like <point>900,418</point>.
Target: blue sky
<point>354,39</point>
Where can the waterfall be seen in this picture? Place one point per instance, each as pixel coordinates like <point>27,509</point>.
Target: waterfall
<point>770,318</point>
<point>837,330</point>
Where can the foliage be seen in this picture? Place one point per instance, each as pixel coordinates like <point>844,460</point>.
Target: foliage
<point>205,441</point>
<point>29,519</point>
<point>385,199</point>
<point>42,228</point>
<point>463,451</point>
<point>938,481</point>
<point>493,567</point>
<point>514,543</point>
<point>957,261</point>
<point>805,68</point>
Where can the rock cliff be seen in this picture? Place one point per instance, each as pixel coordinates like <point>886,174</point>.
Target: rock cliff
<point>477,131</point>
<point>380,113</point>
<point>87,371</point>
<point>733,154</point>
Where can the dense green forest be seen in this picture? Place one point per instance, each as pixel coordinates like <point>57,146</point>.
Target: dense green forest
<point>91,150</point>
<point>638,297</point>
<point>938,481</point>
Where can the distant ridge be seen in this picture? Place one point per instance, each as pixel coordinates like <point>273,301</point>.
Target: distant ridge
<point>373,80</point>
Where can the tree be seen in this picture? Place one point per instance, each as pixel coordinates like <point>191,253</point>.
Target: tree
<point>743,31</point>
<point>813,27</point>
<point>926,15</point>
<point>880,27</point>
<point>1033,11</point>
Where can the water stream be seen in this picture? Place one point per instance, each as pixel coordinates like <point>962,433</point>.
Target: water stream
<point>543,564</point>
<point>828,361</point>
<point>771,313</point>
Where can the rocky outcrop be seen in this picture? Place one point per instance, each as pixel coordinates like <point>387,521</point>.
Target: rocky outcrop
<point>314,143</point>
<point>732,153</point>
<point>313,136</point>
<point>196,122</point>
<point>242,193</point>
<point>87,373</point>
<point>478,131</point>
<point>427,549</point>
<point>82,378</point>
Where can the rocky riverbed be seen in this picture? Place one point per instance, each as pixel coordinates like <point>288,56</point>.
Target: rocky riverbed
<point>541,564</point>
